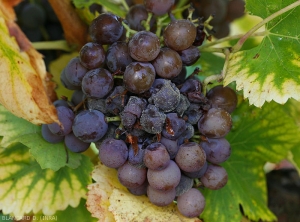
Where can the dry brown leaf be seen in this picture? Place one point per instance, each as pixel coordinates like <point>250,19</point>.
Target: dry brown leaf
<point>23,75</point>
<point>109,201</point>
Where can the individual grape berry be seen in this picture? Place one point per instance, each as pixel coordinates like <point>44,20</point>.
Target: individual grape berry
<point>139,77</point>
<point>32,16</point>
<point>171,146</point>
<point>215,8</point>
<point>197,174</point>
<point>200,37</point>
<point>144,46</point>
<point>179,34</point>
<point>116,100</point>
<point>215,177</point>
<point>131,176</point>
<point>97,83</point>
<point>92,55</point>
<point>136,158</point>
<point>180,79</point>
<point>190,157</point>
<point>136,14</point>
<point>156,156</point>
<point>190,55</point>
<point>222,30</point>
<point>182,106</point>
<point>66,83</point>
<point>135,106</point>
<point>61,102</point>
<point>191,203</point>
<point>74,144</point>
<point>89,125</point>
<point>168,63</point>
<point>222,97</point>
<point>216,123</point>
<point>165,179</point>
<point>165,95</point>
<point>152,120</point>
<point>113,153</point>
<point>65,117</point>
<point>185,184</point>
<point>128,120</point>
<point>217,150</point>
<point>75,71</point>
<point>49,136</point>
<point>187,134</point>
<point>139,191</point>
<point>190,85</point>
<point>174,126</point>
<point>193,113</point>
<point>235,9</point>
<point>161,197</point>
<point>97,104</point>
<point>159,7</point>
<point>77,97</point>
<point>106,29</point>
<point>117,57</point>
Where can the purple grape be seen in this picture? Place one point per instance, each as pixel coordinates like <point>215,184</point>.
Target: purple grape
<point>65,117</point>
<point>159,7</point>
<point>140,190</point>
<point>89,125</point>
<point>171,146</point>
<point>152,120</point>
<point>75,71</point>
<point>197,174</point>
<point>190,55</point>
<point>168,63</point>
<point>215,177</point>
<point>179,34</point>
<point>74,144</point>
<point>185,184</point>
<point>136,15</point>
<point>106,29</point>
<point>139,77</point>
<point>144,46</point>
<point>117,57</point>
<point>216,123</point>
<point>174,126</point>
<point>156,156</point>
<point>190,157</point>
<point>165,179</point>
<point>191,203</point>
<point>217,150</point>
<point>49,136</point>
<point>113,153</point>
<point>165,96</point>
<point>134,158</point>
<point>97,83</point>
<point>131,176</point>
<point>161,197</point>
<point>92,55</point>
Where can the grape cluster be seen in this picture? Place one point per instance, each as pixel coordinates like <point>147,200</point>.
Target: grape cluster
<point>149,120</point>
<point>222,11</point>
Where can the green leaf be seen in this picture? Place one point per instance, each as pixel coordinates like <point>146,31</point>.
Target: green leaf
<point>77,214</point>
<point>270,71</point>
<point>258,136</point>
<point>48,155</point>
<point>210,63</point>
<point>108,5</point>
<point>26,188</point>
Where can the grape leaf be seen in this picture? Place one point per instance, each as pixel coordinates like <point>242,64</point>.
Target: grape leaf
<point>77,214</point>
<point>108,5</point>
<point>25,187</point>
<point>109,201</point>
<point>48,155</point>
<point>258,136</point>
<point>270,71</point>
<point>23,76</point>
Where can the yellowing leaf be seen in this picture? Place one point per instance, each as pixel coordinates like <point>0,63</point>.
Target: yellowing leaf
<point>109,201</point>
<point>23,78</point>
<point>128,207</point>
<point>26,188</point>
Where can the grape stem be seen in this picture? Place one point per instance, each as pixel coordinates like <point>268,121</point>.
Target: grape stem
<point>128,29</point>
<point>112,118</point>
<point>125,5</point>
<point>243,39</point>
<point>204,48</point>
<point>146,23</point>
<point>50,45</point>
